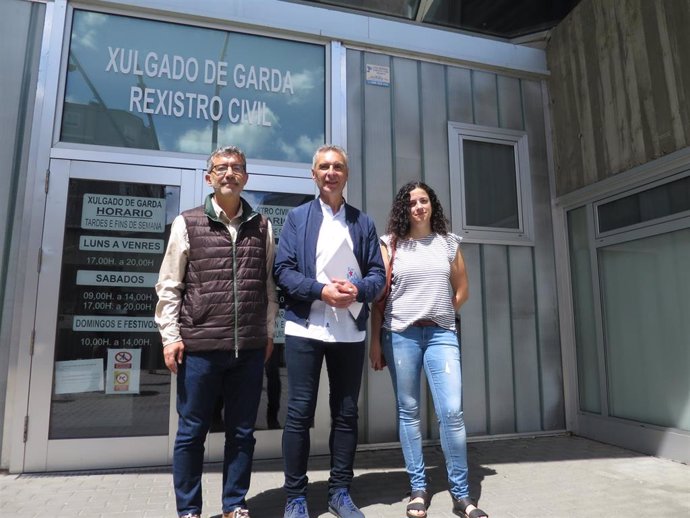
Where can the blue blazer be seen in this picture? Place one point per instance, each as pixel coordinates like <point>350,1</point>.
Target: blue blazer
<point>295,263</point>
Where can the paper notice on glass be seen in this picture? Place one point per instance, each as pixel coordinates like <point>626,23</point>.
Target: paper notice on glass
<point>343,265</point>
<point>76,376</point>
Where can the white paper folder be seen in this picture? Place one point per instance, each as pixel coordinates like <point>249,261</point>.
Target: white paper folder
<point>343,265</point>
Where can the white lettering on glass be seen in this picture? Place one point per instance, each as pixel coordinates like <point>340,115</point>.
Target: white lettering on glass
<point>180,103</point>
<point>126,61</point>
<point>270,79</point>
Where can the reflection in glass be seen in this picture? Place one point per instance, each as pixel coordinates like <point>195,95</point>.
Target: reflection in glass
<point>144,84</point>
<point>658,202</point>
<point>110,379</point>
<point>645,285</point>
<point>491,196</point>
<point>583,309</point>
<point>273,405</point>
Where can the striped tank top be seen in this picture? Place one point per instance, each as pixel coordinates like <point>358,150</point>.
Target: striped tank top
<point>420,285</point>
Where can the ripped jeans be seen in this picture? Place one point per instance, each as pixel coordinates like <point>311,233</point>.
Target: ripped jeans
<point>438,351</point>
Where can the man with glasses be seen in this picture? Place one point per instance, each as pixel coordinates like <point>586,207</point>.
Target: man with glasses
<point>329,267</point>
<point>216,310</point>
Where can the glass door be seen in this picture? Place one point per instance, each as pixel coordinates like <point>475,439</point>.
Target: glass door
<point>100,394</point>
<point>274,196</point>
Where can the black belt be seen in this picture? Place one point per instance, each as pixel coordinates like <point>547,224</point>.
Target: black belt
<point>423,323</point>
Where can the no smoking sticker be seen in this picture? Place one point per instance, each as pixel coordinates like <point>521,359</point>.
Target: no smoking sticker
<point>123,371</point>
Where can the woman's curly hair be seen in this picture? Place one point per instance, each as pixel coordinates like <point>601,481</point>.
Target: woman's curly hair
<point>399,218</point>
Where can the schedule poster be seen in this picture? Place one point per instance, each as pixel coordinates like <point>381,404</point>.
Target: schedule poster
<point>115,239</point>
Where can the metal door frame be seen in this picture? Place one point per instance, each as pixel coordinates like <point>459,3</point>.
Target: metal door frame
<point>40,452</point>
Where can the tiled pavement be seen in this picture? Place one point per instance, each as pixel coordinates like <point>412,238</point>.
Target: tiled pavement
<point>563,476</point>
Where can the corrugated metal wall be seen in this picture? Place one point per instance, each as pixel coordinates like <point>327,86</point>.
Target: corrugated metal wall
<point>510,344</point>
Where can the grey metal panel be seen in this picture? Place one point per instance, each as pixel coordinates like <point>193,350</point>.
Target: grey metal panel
<point>553,417</point>
<point>406,123</point>
<point>524,326</point>
<point>377,401</point>
<point>498,340</point>
<point>533,102</point>
<point>400,133</point>
<point>406,36</point>
<point>23,259</point>
<point>370,31</point>
<point>474,372</point>
<point>380,407</point>
<point>356,191</point>
<point>21,25</point>
<point>435,132</point>
<point>484,98</point>
<point>459,92</point>
<point>378,159</point>
<point>15,24</point>
<point>509,103</point>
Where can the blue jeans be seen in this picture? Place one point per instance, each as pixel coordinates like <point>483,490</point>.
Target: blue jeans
<point>201,379</point>
<point>344,362</point>
<point>436,350</point>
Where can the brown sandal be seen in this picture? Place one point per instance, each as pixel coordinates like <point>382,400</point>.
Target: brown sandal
<point>419,507</point>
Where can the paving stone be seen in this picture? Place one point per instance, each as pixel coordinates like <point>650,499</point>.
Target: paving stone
<point>519,478</point>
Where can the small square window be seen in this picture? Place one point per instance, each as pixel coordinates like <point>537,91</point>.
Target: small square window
<point>490,185</point>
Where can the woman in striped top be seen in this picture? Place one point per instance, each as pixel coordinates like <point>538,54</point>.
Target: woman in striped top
<point>417,330</point>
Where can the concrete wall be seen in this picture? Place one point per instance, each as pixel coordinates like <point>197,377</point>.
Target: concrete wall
<point>619,86</point>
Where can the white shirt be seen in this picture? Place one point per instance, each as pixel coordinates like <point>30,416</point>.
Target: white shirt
<point>326,323</point>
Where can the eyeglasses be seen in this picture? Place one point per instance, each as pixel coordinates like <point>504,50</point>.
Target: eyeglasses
<point>222,169</point>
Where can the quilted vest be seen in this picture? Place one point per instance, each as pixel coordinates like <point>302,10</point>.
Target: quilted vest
<point>224,302</point>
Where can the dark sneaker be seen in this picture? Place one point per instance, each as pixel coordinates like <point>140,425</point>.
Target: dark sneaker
<point>240,512</point>
<point>341,505</point>
<point>190,515</point>
<point>296,508</point>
